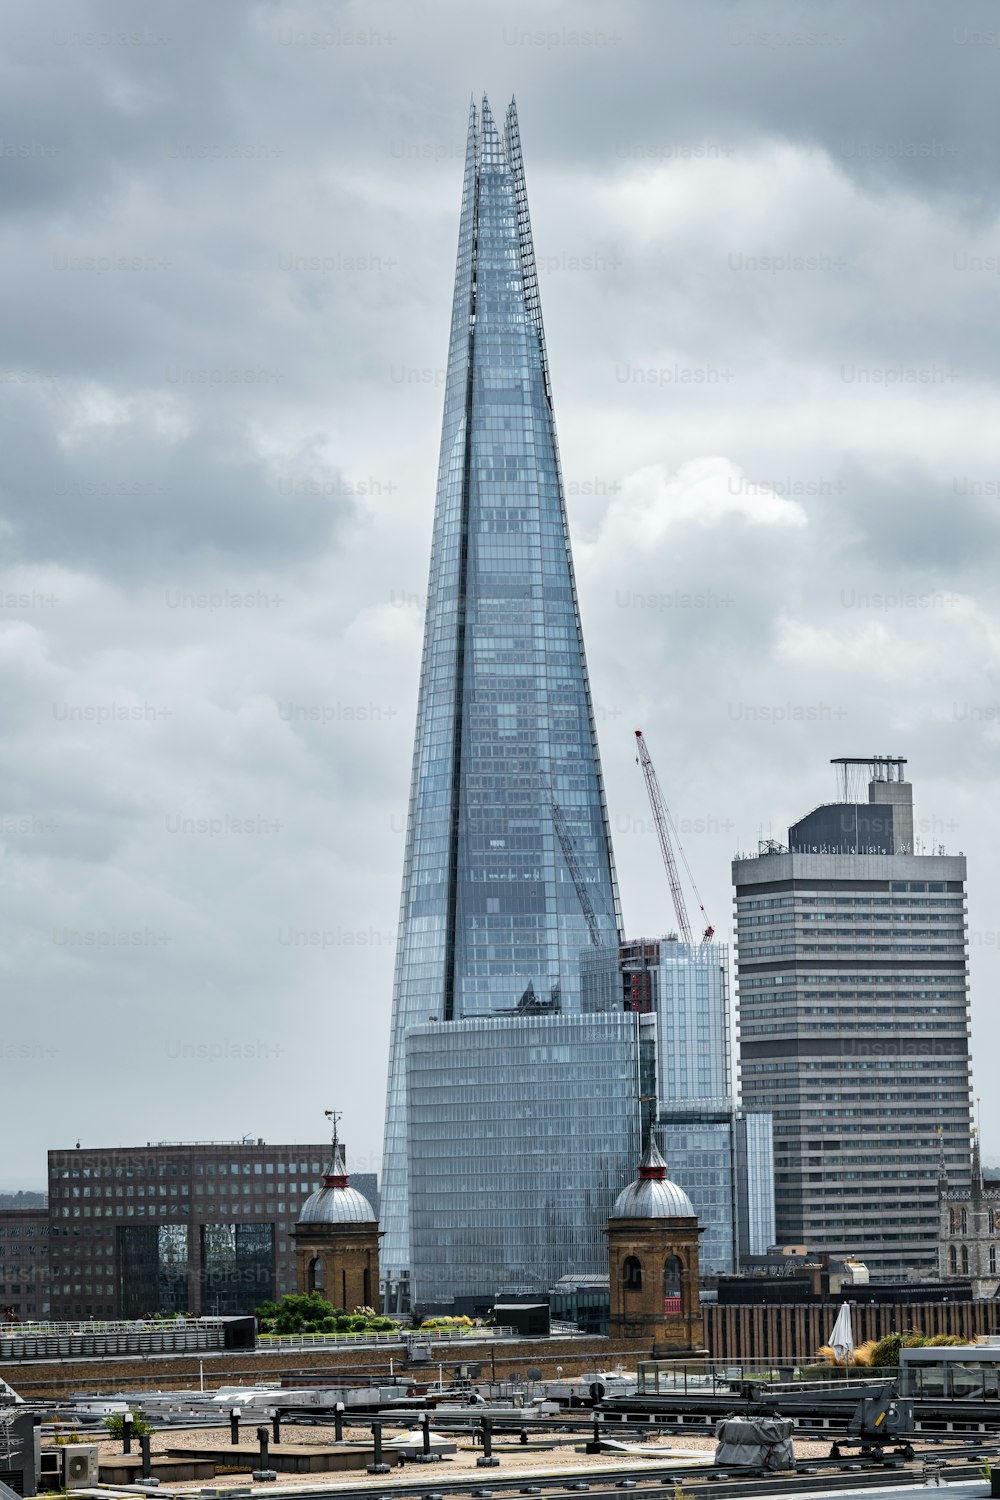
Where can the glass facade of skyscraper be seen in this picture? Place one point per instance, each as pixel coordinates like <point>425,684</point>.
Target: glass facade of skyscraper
<point>508,869</point>
<point>700,1131</point>
<point>686,985</point>
<point>755,1182</point>
<point>523,1130</point>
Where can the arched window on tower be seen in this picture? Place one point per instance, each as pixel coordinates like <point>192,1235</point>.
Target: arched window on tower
<point>673,1273</point>
<point>965,1260</point>
<point>632,1274</point>
<point>953,1260</point>
<point>965,1221</point>
<point>315,1274</point>
<point>993,1260</point>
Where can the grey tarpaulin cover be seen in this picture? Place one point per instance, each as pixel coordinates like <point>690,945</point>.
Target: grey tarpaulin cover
<point>755,1442</point>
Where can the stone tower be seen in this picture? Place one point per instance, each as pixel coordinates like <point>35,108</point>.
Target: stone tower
<point>653,1263</point>
<point>336,1242</point>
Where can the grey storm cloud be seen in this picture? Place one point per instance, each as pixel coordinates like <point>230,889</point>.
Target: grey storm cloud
<point>767,242</point>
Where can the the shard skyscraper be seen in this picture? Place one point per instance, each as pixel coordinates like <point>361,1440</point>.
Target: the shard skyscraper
<point>508,876</point>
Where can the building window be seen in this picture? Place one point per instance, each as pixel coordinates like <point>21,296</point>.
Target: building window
<point>965,1221</point>
<point>993,1260</point>
<point>673,1272</point>
<point>965,1260</point>
<point>632,1274</point>
<point>316,1274</point>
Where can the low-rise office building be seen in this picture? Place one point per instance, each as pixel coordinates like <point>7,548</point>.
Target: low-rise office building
<point>24,1263</point>
<point>196,1227</point>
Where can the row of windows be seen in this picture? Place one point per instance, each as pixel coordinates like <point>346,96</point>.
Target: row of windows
<point>200,1189</point>
<point>775,903</point>
<point>749,982</point>
<point>790,919</point>
<point>765,949</point>
<point>842,1066</point>
<point>958,1220</point>
<point>954,1260</point>
<point>791,1013</point>
<point>201,1169</point>
<point>132,1210</point>
<point>837,1026</point>
<point>866,1114</point>
<point>790,997</point>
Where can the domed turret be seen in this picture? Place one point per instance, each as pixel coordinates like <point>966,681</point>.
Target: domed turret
<point>336,1240</point>
<point>653,1262</point>
<point>336,1202</point>
<point>652,1195</point>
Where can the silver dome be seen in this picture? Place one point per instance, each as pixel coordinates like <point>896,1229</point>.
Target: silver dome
<point>653,1195</point>
<point>337,1205</point>
<point>335,1202</point>
<point>653,1200</point>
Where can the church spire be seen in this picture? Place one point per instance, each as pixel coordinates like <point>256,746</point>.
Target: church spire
<point>976,1184</point>
<point>943,1183</point>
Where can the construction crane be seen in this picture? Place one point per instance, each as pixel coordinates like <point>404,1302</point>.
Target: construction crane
<point>664,828</point>
<point>573,865</point>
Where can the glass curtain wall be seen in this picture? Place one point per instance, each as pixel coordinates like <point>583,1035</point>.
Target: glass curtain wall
<point>523,1131</point>
<point>508,868</point>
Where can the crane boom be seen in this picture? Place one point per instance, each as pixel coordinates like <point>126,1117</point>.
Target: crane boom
<point>576,874</point>
<point>663,833</point>
<point>664,827</point>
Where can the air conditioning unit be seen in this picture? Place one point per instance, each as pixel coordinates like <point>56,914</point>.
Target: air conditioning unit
<point>80,1468</point>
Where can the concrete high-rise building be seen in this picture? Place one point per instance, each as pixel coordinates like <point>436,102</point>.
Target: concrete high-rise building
<point>854,1021</point>
<point>508,869</point>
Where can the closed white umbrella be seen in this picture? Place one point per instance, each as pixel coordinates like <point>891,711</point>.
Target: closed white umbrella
<point>842,1337</point>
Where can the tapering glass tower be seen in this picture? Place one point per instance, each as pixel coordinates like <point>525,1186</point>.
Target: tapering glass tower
<point>508,873</point>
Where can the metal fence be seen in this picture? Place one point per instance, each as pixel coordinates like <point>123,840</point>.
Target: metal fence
<point>699,1377</point>
<point>182,1338</point>
<point>34,1327</point>
<point>400,1337</point>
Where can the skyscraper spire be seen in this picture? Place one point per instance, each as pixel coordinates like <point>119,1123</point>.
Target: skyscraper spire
<point>494,899</point>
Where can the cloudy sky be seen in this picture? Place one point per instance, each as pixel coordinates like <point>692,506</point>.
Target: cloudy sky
<point>769,256</point>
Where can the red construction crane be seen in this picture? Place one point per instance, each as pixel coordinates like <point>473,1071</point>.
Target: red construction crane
<point>664,828</point>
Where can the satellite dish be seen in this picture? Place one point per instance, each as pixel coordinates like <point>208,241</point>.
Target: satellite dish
<point>534,1374</point>
<point>597,1389</point>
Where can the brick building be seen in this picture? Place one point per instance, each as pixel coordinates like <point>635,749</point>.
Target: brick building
<point>199,1227</point>
<point>24,1263</point>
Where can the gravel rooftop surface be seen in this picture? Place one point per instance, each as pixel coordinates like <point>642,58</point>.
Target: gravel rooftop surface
<point>562,1457</point>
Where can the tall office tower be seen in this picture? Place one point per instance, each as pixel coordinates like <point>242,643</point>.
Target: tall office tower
<point>720,1158</point>
<point>508,868</point>
<point>854,1021</point>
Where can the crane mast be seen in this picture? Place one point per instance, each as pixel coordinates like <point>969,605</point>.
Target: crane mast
<point>664,826</point>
